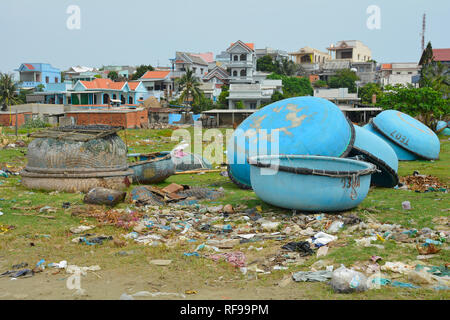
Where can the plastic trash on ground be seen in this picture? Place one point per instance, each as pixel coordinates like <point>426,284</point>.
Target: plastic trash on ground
<point>345,280</point>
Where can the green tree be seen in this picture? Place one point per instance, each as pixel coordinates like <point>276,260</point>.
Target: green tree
<point>344,78</point>
<point>436,76</point>
<point>223,102</point>
<point>189,84</point>
<point>366,92</point>
<point>426,61</point>
<point>8,90</point>
<point>140,71</point>
<point>113,75</point>
<point>277,96</point>
<point>286,67</point>
<point>293,86</point>
<point>319,84</point>
<point>425,103</point>
<point>265,64</point>
<point>240,105</point>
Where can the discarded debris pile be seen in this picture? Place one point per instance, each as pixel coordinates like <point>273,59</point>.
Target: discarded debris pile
<point>154,196</point>
<point>422,183</point>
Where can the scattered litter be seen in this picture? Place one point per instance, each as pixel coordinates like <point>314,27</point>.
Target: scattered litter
<point>236,259</point>
<point>302,247</point>
<point>345,280</point>
<point>399,284</point>
<point>104,196</point>
<point>406,205</point>
<point>312,276</point>
<point>161,262</point>
<point>81,229</point>
<point>125,296</point>
<point>322,251</point>
<point>322,238</point>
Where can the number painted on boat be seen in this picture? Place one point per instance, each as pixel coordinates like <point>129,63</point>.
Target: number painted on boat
<point>399,137</point>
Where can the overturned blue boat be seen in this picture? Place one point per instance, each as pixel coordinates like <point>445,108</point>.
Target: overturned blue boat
<point>408,133</point>
<point>152,167</point>
<point>374,149</point>
<point>300,125</point>
<point>402,154</point>
<point>310,183</point>
<point>440,126</point>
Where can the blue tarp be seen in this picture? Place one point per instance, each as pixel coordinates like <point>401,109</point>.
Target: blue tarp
<point>174,117</point>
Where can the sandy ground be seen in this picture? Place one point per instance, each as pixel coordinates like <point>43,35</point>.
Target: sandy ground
<point>110,285</point>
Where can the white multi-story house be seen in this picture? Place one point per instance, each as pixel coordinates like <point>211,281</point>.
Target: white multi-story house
<point>242,63</point>
<point>253,95</point>
<point>398,73</point>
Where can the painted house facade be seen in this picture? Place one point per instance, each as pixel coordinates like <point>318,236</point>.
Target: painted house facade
<point>158,83</point>
<point>398,73</point>
<point>105,91</point>
<point>192,61</point>
<point>32,75</point>
<point>352,50</point>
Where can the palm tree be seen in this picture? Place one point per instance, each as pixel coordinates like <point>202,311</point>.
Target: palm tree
<point>189,84</point>
<point>8,90</point>
<point>437,77</point>
<point>287,67</point>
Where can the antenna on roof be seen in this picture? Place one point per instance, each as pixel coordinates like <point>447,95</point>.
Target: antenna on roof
<point>423,31</point>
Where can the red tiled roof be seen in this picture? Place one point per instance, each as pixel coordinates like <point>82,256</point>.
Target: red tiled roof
<point>250,45</point>
<point>155,74</point>
<point>29,66</point>
<point>103,84</point>
<point>386,66</point>
<point>133,85</point>
<point>441,54</point>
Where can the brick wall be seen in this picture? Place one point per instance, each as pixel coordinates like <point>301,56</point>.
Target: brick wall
<point>7,119</point>
<point>134,119</point>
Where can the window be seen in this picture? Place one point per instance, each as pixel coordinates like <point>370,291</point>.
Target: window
<point>235,58</point>
<point>243,57</point>
<point>201,70</point>
<point>399,73</point>
<point>235,73</point>
<point>56,80</point>
<point>47,79</point>
<point>194,69</point>
<point>253,105</point>
<point>409,72</point>
<point>243,73</point>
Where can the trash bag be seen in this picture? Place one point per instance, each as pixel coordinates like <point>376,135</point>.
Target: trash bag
<point>345,280</point>
<point>303,247</point>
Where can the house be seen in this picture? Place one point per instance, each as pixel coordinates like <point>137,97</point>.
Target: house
<point>158,83</point>
<point>32,75</point>
<point>277,55</point>
<point>122,71</point>
<point>440,55</point>
<point>366,71</point>
<point>105,91</point>
<point>80,73</point>
<point>339,96</point>
<point>331,67</point>
<point>53,93</point>
<point>217,75</point>
<point>398,73</point>
<point>352,50</point>
<point>310,59</point>
<point>242,62</point>
<point>210,90</point>
<point>253,95</point>
<point>192,61</point>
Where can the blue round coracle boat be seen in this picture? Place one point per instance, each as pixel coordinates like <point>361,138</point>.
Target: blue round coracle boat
<point>402,154</point>
<point>440,126</point>
<point>375,150</point>
<point>152,167</point>
<point>301,125</point>
<point>446,132</point>
<point>311,183</point>
<point>408,133</point>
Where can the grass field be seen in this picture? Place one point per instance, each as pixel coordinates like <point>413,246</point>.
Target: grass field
<point>37,237</point>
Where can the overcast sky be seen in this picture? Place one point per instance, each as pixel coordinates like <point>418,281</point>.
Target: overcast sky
<point>136,32</point>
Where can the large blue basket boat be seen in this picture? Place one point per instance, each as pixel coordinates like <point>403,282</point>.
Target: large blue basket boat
<point>311,183</point>
<point>409,133</point>
<point>375,150</point>
<point>303,125</point>
<point>152,167</point>
<point>402,154</point>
